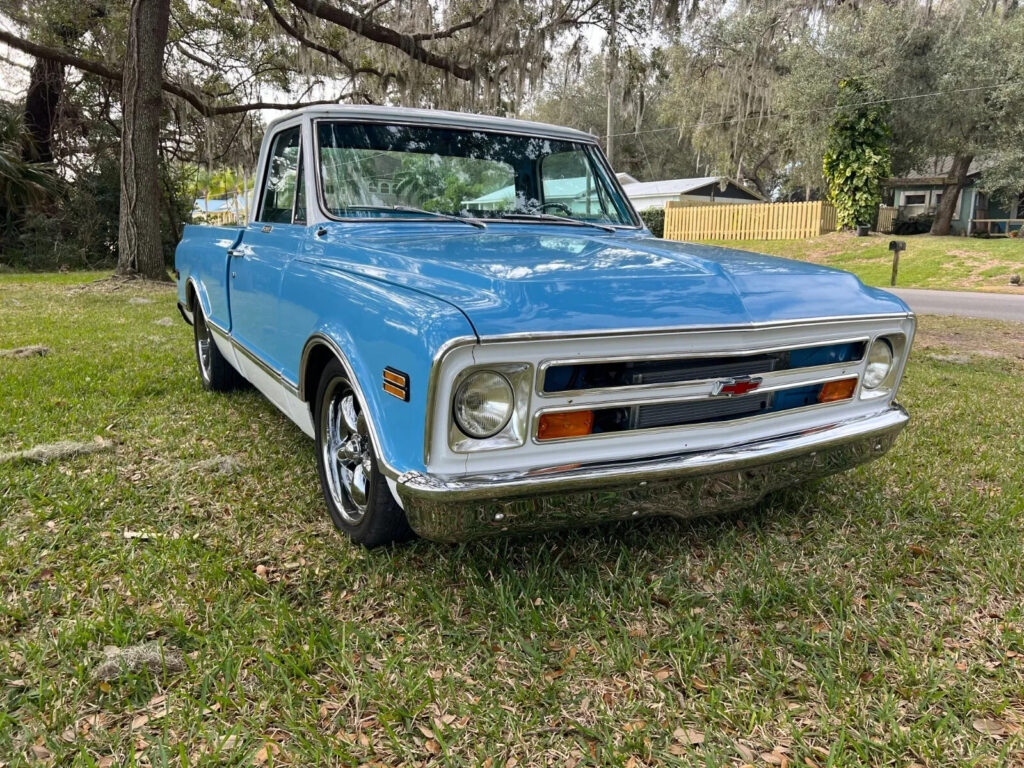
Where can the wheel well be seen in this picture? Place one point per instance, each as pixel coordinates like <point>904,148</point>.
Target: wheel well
<point>318,358</point>
<point>190,297</point>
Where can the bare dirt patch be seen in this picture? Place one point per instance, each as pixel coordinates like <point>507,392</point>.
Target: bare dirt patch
<point>970,254</point>
<point>957,337</point>
<point>836,244</point>
<point>115,284</point>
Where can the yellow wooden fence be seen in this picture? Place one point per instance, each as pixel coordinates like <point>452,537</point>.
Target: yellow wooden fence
<point>886,218</point>
<point>759,221</point>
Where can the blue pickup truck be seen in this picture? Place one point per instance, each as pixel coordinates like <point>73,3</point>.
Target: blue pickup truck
<point>471,321</point>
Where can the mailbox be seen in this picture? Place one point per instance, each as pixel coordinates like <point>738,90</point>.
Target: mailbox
<point>896,246</point>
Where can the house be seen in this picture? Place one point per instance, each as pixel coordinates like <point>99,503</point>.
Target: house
<point>920,192</point>
<point>220,211</point>
<point>703,189</point>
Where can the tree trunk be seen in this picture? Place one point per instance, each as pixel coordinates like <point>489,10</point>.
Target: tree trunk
<point>46,83</point>
<point>140,252</point>
<point>611,64</point>
<point>950,194</point>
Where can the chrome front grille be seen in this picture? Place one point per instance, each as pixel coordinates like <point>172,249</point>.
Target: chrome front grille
<point>629,394</point>
<point>688,412</point>
<point>582,376</point>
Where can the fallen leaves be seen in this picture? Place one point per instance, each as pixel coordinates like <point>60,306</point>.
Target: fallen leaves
<point>268,750</point>
<point>997,729</point>
<point>684,738</point>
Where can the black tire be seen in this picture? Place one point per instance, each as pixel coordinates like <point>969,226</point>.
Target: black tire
<point>215,372</point>
<point>355,490</point>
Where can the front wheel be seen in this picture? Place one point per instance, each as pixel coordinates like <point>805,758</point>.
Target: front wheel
<point>357,494</point>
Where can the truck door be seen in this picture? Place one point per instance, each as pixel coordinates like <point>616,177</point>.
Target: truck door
<point>269,243</point>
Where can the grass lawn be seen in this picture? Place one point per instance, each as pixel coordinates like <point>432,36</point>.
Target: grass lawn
<point>875,618</point>
<point>950,263</point>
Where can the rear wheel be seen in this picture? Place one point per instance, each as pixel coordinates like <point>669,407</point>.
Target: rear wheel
<point>357,494</point>
<point>215,371</point>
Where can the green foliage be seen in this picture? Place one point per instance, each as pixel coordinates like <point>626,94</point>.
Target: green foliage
<point>857,157</point>
<point>650,148</point>
<point>444,183</point>
<point>654,220</point>
<point>22,183</point>
<point>914,225</point>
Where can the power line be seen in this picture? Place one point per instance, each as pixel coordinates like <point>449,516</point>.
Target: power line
<point>819,109</point>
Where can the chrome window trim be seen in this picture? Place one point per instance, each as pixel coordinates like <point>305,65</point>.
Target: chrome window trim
<point>258,198</point>
<point>542,368</point>
<point>325,210</point>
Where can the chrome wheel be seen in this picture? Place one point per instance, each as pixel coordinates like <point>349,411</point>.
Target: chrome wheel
<point>347,457</point>
<point>204,344</point>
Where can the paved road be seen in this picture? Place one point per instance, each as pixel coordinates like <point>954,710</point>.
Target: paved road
<point>990,306</point>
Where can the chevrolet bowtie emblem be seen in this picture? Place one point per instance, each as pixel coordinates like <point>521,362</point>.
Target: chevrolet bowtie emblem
<point>737,386</point>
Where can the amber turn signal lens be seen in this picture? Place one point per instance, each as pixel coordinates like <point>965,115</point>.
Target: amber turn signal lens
<point>569,424</point>
<point>837,390</point>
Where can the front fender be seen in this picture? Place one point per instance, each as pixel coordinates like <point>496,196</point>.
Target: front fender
<point>370,325</point>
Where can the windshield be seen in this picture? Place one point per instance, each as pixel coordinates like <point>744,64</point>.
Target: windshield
<point>368,169</point>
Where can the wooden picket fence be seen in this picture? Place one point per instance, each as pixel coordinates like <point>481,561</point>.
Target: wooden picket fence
<point>886,218</point>
<point>758,221</point>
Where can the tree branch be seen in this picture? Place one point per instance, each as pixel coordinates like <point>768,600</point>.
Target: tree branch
<point>378,33</point>
<point>110,73</point>
<point>313,45</point>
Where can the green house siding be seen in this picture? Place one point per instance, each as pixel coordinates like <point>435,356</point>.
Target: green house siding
<point>960,223</point>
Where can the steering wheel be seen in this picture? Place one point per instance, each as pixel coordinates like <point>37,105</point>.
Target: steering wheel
<point>560,206</point>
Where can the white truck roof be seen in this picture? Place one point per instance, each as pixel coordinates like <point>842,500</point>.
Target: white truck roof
<point>435,117</point>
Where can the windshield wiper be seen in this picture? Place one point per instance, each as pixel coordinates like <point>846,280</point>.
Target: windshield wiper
<point>559,219</point>
<point>409,209</point>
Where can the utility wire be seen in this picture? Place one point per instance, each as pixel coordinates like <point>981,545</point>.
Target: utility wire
<point>819,109</point>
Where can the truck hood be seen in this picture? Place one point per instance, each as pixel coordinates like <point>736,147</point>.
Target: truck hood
<point>516,280</point>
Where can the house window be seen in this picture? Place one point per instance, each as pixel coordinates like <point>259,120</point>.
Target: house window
<point>917,198</point>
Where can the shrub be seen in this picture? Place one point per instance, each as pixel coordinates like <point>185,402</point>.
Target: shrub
<point>914,225</point>
<point>857,155</point>
<point>654,220</point>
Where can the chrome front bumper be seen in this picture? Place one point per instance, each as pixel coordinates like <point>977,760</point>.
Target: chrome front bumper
<point>684,485</point>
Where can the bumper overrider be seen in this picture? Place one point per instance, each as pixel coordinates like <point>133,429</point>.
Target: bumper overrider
<point>683,486</point>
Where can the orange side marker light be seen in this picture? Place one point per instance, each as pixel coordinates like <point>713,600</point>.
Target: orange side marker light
<point>837,390</point>
<point>567,424</point>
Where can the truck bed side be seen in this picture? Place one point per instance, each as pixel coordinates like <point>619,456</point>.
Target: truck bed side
<point>202,260</point>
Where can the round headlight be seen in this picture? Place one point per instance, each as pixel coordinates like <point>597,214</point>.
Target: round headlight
<point>483,404</point>
<point>879,363</point>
